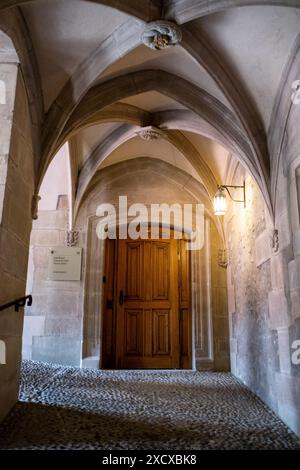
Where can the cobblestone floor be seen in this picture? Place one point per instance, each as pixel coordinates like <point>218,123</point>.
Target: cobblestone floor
<point>68,408</point>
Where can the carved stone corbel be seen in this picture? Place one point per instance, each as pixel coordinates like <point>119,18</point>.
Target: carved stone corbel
<point>72,238</point>
<point>35,206</point>
<point>274,241</point>
<point>222,258</point>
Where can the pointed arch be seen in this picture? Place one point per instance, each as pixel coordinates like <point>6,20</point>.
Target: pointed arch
<point>216,114</point>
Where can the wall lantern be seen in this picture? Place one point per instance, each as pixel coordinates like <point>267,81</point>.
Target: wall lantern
<point>220,202</point>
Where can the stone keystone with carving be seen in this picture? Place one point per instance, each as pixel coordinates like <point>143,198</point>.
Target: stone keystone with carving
<point>161,34</point>
<point>150,133</point>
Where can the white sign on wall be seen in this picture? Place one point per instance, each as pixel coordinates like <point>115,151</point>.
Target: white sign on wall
<point>65,264</point>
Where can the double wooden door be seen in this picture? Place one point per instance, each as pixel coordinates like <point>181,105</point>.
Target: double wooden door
<point>147,321</point>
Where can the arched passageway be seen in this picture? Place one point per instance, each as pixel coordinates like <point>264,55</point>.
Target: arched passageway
<point>162,111</point>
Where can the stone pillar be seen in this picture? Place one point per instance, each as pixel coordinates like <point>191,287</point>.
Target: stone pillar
<point>16,190</point>
<point>93,295</point>
<point>202,305</point>
<point>8,80</point>
<point>219,305</point>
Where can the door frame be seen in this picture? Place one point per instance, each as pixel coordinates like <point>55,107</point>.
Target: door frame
<point>108,358</point>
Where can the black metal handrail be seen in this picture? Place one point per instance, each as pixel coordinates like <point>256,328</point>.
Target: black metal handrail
<point>18,303</point>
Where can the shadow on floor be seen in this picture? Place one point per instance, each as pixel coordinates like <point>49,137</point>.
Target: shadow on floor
<point>37,426</point>
<point>70,408</point>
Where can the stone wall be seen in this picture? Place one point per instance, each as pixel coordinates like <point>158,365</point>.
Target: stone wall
<point>65,314</point>
<point>263,297</point>
<point>16,191</point>
<point>152,181</point>
<point>52,326</point>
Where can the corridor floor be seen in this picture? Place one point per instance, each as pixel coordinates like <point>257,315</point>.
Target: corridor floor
<point>68,408</point>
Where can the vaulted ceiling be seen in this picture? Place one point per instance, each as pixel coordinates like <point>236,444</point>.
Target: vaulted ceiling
<point>212,95</point>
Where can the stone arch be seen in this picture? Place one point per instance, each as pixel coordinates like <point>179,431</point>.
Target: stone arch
<point>189,10</point>
<point>217,115</point>
<point>174,119</point>
<point>86,225</point>
<point>175,175</point>
<point>283,133</point>
<point>146,11</point>
<point>126,132</point>
<point>181,12</point>
<point>199,47</point>
<point>12,23</point>
<point>126,39</point>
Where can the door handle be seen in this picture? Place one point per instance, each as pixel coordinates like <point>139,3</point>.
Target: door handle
<point>121,297</point>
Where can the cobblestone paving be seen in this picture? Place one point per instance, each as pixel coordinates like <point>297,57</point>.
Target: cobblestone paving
<point>68,408</point>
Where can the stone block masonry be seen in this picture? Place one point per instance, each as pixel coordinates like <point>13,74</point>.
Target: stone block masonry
<point>265,307</point>
<point>16,190</point>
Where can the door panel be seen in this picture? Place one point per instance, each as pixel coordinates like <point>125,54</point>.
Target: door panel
<point>134,271</point>
<point>108,359</point>
<point>161,332</point>
<point>160,271</point>
<point>185,318</point>
<point>134,332</point>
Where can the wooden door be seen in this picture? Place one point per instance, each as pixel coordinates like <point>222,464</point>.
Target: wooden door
<point>152,328</point>
<point>147,334</point>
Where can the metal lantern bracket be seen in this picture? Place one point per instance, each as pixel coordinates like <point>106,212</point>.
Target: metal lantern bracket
<point>243,187</point>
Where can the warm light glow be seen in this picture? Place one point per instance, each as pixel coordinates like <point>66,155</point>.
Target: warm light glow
<point>220,204</point>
